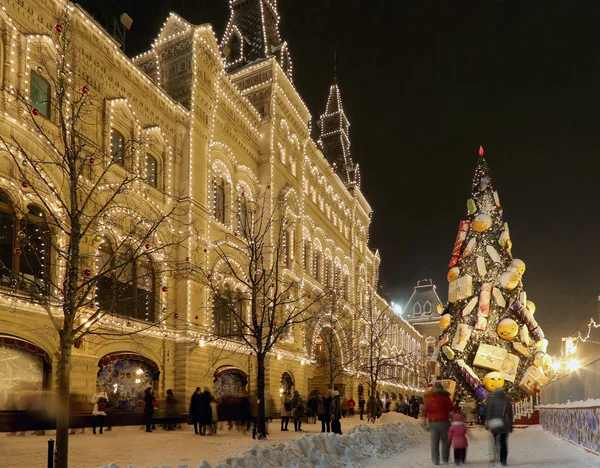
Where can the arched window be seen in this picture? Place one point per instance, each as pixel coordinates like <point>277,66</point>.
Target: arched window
<point>306,254</point>
<point>288,246</point>
<point>327,274</point>
<point>24,249</point>
<point>317,265</point>
<point>243,216</point>
<point>227,315</point>
<point>117,147</point>
<point>417,309</point>
<point>427,307</point>
<point>39,91</point>
<point>129,286</point>
<point>346,287</point>
<point>152,171</point>
<point>219,200</point>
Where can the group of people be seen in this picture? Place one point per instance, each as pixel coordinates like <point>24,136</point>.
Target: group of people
<point>498,419</point>
<point>328,408</point>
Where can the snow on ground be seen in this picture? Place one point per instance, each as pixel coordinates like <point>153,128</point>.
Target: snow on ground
<point>131,446</point>
<point>527,448</point>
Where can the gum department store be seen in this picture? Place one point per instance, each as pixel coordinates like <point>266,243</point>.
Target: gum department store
<point>226,118</point>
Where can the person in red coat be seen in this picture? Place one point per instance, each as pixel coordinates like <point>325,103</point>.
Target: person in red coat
<point>438,407</point>
<point>457,438</point>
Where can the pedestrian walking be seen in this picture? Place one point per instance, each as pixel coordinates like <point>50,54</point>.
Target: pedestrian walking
<point>171,411</point>
<point>438,406</point>
<point>298,405</point>
<point>286,410</point>
<point>214,415</point>
<point>195,409</point>
<point>481,413</point>
<point>361,407</point>
<point>336,413</point>
<point>351,405</point>
<point>500,423</point>
<point>100,402</point>
<point>457,439</point>
<point>324,412</point>
<point>344,407</point>
<point>312,408</point>
<point>148,407</point>
<point>205,414</point>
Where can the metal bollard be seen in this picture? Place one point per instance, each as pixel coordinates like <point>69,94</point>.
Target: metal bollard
<point>51,453</point>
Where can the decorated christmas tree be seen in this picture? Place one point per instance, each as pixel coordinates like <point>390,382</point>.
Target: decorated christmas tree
<point>490,337</point>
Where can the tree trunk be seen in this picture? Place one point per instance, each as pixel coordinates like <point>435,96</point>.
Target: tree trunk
<point>64,386</point>
<point>260,390</point>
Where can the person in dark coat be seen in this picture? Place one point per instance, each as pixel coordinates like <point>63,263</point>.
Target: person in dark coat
<point>482,411</point>
<point>195,409</point>
<point>324,412</point>
<point>499,407</point>
<point>171,411</point>
<point>245,413</point>
<point>361,407</point>
<point>205,412</point>
<point>148,407</point>
<point>336,413</point>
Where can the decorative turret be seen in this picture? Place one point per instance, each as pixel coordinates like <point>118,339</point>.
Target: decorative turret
<point>334,138</point>
<point>252,35</point>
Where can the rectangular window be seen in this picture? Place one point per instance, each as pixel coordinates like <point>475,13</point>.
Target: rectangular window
<point>117,144</point>
<point>151,171</point>
<point>40,94</point>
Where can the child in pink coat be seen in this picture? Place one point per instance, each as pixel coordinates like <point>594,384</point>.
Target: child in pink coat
<point>457,438</point>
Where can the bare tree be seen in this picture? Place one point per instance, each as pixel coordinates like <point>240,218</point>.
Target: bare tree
<point>257,299</point>
<point>88,244</point>
<point>333,335</point>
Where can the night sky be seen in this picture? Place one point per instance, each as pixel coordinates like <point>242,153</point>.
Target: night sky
<point>423,85</point>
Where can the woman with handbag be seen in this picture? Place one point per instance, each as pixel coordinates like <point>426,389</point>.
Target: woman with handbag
<point>100,402</point>
<point>499,423</point>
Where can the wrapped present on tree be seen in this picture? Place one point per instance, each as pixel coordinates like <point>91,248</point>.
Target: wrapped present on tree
<point>509,367</point>
<point>463,228</point>
<point>489,357</point>
<point>522,350</point>
<point>447,350</point>
<point>493,253</point>
<point>481,268</point>
<point>460,289</point>
<point>532,380</point>
<point>470,247</point>
<point>469,307</point>
<point>499,297</point>
<point>461,337</point>
<point>448,385</point>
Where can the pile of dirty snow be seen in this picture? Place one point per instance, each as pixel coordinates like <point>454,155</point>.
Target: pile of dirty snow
<point>359,445</point>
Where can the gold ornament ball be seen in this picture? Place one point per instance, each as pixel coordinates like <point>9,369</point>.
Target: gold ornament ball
<point>453,274</point>
<point>445,321</point>
<point>531,306</point>
<point>482,222</point>
<point>507,329</point>
<point>509,280</point>
<point>97,238</point>
<point>520,264</point>
<point>493,381</point>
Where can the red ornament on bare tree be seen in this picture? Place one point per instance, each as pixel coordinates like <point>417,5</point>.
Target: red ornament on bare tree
<point>164,289</point>
<point>34,111</point>
<point>58,28</point>
<point>17,251</point>
<point>87,272</point>
<point>176,315</point>
<point>24,184</point>
<point>84,89</point>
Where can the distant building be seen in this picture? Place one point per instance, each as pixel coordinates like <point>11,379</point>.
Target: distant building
<point>422,312</point>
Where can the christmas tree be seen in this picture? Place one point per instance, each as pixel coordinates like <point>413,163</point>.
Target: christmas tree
<point>490,338</point>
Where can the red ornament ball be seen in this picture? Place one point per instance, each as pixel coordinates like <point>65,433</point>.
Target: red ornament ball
<point>176,315</point>
<point>187,259</point>
<point>87,272</point>
<point>122,288</point>
<point>18,251</point>
<point>84,89</point>
<point>34,111</point>
<point>147,246</point>
<point>91,160</point>
<point>24,184</point>
<point>164,289</point>
<point>269,186</point>
<point>235,234</point>
<point>92,306</point>
<point>205,250</point>
<point>196,317</point>
<point>58,28</point>
<point>272,285</point>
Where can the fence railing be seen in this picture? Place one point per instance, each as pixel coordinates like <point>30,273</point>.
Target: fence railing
<point>524,408</point>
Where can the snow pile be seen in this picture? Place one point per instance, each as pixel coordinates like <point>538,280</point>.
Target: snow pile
<point>355,448</point>
<point>574,404</point>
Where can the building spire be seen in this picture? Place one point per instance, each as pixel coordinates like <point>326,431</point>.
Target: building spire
<point>334,140</point>
<point>252,34</point>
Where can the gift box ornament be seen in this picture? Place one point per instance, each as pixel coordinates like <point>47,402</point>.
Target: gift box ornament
<point>463,227</point>
<point>461,337</point>
<point>519,348</point>
<point>532,380</point>
<point>448,385</point>
<point>496,199</point>
<point>509,367</point>
<point>524,336</point>
<point>460,289</point>
<point>470,306</point>
<point>471,206</point>
<point>470,247</point>
<point>493,253</point>
<point>481,268</point>
<point>499,297</point>
<point>448,352</point>
<point>481,323</point>
<point>489,357</point>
